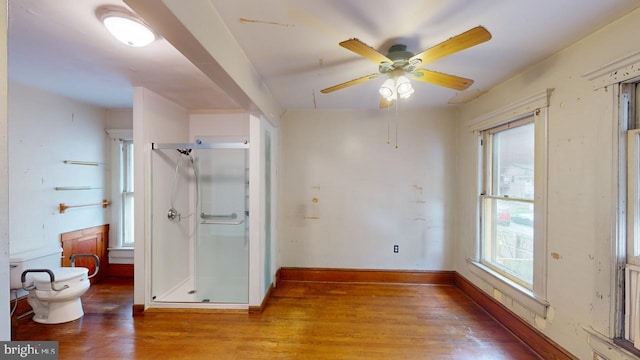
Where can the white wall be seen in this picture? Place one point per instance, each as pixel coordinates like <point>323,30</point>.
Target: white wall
<point>216,124</point>
<point>156,119</point>
<point>581,184</point>
<point>119,119</point>
<point>5,322</point>
<point>45,130</point>
<point>370,195</point>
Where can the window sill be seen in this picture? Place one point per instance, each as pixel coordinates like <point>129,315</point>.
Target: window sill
<point>121,255</point>
<point>608,348</point>
<point>516,292</point>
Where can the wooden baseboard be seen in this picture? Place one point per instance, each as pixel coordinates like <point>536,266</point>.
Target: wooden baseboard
<point>529,335</point>
<point>366,275</point>
<point>121,270</point>
<point>137,309</point>
<point>259,309</point>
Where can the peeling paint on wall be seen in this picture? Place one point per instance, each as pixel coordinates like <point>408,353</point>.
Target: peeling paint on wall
<point>497,295</point>
<point>551,313</point>
<point>541,323</point>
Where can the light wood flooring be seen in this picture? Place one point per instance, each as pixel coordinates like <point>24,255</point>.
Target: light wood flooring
<point>302,320</point>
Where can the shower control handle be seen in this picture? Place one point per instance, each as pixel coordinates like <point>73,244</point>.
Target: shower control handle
<point>173,215</point>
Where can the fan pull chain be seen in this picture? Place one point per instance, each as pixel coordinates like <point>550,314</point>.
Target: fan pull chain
<point>388,128</point>
<point>396,117</point>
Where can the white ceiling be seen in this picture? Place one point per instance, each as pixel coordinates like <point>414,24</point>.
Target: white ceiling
<point>60,46</point>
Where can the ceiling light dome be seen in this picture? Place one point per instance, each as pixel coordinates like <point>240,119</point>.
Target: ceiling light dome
<point>126,26</point>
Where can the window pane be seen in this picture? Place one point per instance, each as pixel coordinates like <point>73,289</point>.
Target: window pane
<point>509,238</point>
<point>513,159</point>
<point>127,166</point>
<point>127,193</point>
<point>127,219</point>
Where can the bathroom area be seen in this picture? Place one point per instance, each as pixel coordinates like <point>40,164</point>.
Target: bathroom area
<point>202,222</point>
<point>203,207</point>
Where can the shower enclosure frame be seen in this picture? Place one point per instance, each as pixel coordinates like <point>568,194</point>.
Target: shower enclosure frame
<point>158,120</point>
<point>195,224</point>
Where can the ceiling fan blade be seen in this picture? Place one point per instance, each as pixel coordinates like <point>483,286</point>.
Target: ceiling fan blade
<point>365,50</point>
<point>467,39</point>
<point>446,80</point>
<point>350,83</point>
<point>385,103</point>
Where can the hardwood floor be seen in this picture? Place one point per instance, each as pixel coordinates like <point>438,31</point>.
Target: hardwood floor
<point>302,320</point>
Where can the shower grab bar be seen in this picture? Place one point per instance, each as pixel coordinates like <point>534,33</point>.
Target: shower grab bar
<point>206,216</point>
<point>209,222</point>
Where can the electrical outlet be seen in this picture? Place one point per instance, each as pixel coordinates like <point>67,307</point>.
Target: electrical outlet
<point>396,248</point>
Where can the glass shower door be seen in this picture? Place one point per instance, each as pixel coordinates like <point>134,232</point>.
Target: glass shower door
<point>222,247</point>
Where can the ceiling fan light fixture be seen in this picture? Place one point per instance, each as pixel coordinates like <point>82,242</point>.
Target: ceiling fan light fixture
<point>126,27</point>
<point>387,90</point>
<point>403,86</point>
<point>407,94</point>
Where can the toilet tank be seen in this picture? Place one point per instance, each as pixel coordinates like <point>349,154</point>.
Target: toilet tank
<point>45,258</point>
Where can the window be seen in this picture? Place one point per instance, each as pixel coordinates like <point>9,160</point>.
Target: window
<point>629,101</point>
<point>507,200</point>
<point>127,193</point>
<point>630,121</point>
<point>122,233</point>
<point>512,201</point>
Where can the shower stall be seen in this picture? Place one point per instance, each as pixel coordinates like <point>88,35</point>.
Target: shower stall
<point>199,252</point>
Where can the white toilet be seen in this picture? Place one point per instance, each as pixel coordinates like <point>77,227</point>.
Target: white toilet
<point>54,291</point>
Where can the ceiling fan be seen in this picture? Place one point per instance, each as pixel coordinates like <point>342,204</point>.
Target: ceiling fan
<point>401,65</point>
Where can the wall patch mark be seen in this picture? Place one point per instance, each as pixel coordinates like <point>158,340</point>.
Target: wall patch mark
<point>243,20</point>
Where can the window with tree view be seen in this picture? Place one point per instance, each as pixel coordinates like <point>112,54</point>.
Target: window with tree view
<point>507,244</point>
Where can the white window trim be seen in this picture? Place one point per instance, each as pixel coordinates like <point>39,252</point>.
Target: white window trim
<point>535,299</point>
<point>605,347</point>
<point>615,72</point>
<point>115,135</point>
<point>539,100</point>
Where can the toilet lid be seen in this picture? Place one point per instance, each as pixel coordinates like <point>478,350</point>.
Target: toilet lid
<point>61,274</point>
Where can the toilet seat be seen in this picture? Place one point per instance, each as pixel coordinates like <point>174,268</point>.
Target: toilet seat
<point>71,276</point>
<point>54,292</point>
<point>55,307</point>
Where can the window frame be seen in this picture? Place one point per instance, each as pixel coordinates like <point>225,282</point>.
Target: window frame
<point>617,75</point>
<point>630,124</point>
<point>505,289</point>
<point>489,194</point>
<point>117,137</point>
<point>127,191</point>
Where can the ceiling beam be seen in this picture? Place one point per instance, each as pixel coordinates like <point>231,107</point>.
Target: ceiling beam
<point>196,29</point>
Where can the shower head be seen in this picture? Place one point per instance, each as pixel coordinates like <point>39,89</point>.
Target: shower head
<point>184,151</point>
